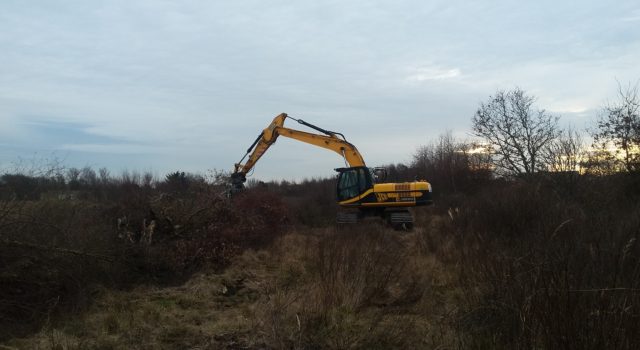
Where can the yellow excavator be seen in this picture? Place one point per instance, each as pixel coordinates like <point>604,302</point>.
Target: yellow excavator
<point>358,194</point>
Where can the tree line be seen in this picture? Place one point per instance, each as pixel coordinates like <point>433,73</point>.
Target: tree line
<point>523,140</point>
<point>516,139</point>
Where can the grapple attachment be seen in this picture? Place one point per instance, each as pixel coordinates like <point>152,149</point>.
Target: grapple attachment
<point>237,181</point>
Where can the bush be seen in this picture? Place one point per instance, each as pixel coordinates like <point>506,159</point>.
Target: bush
<point>54,252</point>
<point>543,269</point>
<point>310,203</point>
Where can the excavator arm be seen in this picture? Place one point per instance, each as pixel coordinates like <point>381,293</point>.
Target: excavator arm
<point>330,140</point>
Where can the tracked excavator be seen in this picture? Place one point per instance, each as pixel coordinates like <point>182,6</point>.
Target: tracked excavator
<point>358,194</point>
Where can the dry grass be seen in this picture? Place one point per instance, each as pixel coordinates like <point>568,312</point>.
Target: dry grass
<point>551,267</point>
<point>208,312</point>
<point>369,288</point>
<point>519,265</point>
<point>54,253</point>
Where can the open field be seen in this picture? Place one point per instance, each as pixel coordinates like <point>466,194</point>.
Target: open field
<point>318,289</point>
<point>521,264</point>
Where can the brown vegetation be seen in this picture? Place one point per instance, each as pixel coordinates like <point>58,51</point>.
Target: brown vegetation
<point>519,264</point>
<point>54,252</point>
<point>550,267</point>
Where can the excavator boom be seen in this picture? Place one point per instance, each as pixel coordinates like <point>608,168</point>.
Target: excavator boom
<point>268,137</point>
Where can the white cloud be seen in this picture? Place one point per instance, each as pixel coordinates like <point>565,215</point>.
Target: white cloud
<point>633,16</point>
<point>568,108</point>
<point>113,148</point>
<point>433,73</point>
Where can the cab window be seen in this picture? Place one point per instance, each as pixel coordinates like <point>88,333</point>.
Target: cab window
<point>348,185</point>
<point>353,182</point>
<point>363,180</point>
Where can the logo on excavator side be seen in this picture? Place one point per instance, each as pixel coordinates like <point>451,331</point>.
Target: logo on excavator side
<point>381,197</point>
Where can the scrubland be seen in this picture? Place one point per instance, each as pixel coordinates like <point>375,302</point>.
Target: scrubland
<point>546,262</point>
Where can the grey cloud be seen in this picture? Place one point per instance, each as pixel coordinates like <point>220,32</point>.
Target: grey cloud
<point>193,82</point>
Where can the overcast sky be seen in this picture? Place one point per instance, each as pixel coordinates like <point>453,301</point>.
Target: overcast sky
<point>188,85</point>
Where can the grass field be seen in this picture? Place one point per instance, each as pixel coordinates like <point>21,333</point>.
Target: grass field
<point>545,264</point>
<point>370,288</point>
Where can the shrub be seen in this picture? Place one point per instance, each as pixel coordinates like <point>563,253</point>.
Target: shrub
<point>53,252</point>
<point>542,269</point>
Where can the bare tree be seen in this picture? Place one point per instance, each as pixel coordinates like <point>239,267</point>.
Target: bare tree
<point>105,178</point>
<point>88,176</point>
<point>148,179</point>
<point>516,132</point>
<point>451,163</point>
<point>566,152</point>
<point>618,127</point>
<point>601,161</point>
<point>73,176</point>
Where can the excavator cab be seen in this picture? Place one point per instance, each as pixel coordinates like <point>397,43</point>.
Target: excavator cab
<point>353,182</point>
